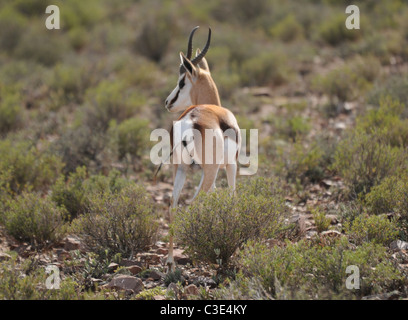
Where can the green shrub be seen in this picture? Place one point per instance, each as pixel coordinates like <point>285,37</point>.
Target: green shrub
<point>156,34</point>
<point>377,229</point>
<point>76,13</point>
<point>321,221</point>
<point>39,45</point>
<point>265,68</point>
<point>364,159</point>
<point>242,288</point>
<point>110,101</point>
<point>375,148</point>
<point>67,81</point>
<point>11,111</point>
<point>31,8</point>
<point>288,29</point>
<point>27,281</point>
<point>348,82</point>
<point>333,31</point>
<point>12,27</point>
<point>302,162</point>
<point>249,12</point>
<point>29,166</point>
<point>80,146</point>
<point>318,271</point>
<point>391,195</point>
<point>122,222</point>
<point>37,220</point>
<point>131,137</point>
<point>71,194</point>
<point>395,86</point>
<point>149,294</point>
<point>74,193</point>
<point>217,224</point>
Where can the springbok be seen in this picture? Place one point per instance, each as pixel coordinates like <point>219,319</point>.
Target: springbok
<point>202,120</point>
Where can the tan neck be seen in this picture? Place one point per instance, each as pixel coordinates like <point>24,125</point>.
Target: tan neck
<point>206,94</point>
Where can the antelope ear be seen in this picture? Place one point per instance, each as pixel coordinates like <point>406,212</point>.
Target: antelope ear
<point>190,68</point>
<point>203,64</point>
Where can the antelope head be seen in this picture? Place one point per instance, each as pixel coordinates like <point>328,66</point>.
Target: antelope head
<point>195,84</point>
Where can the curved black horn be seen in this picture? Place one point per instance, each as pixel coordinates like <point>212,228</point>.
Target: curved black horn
<point>200,57</point>
<point>190,43</point>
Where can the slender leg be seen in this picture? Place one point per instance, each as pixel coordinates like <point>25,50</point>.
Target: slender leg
<point>180,178</point>
<point>210,174</point>
<point>231,175</point>
<point>189,201</point>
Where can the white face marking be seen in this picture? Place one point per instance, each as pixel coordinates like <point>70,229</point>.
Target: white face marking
<point>179,99</point>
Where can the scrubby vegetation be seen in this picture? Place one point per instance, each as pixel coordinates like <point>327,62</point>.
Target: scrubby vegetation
<point>78,104</point>
<point>215,226</point>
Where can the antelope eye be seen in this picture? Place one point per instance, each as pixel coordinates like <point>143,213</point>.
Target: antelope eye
<point>181,83</point>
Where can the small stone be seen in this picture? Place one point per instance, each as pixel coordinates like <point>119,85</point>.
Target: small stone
<point>191,290</point>
<point>113,266</point>
<point>156,275</point>
<point>153,258</point>
<point>124,282</point>
<point>331,233</point>
<point>180,257</point>
<point>159,297</point>
<point>71,243</point>
<point>173,287</point>
<point>162,251</point>
<point>129,263</point>
<point>134,269</point>
<point>4,256</point>
<point>399,245</point>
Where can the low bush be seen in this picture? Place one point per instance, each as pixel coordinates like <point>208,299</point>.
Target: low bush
<point>389,119</point>
<point>73,193</point>
<point>217,223</point>
<point>29,167</point>
<point>67,81</point>
<point>38,45</point>
<point>156,34</point>
<point>377,229</point>
<point>302,162</point>
<point>363,160</point>
<point>266,68</point>
<point>333,31</point>
<point>131,138</point>
<point>11,110</point>
<point>391,196</point>
<point>319,271</point>
<point>374,149</point>
<point>77,13</point>
<point>321,221</point>
<point>110,101</point>
<point>288,29</point>
<point>395,87</point>
<point>29,217</point>
<point>80,146</point>
<point>348,82</point>
<point>12,27</point>
<point>122,222</point>
<point>27,281</point>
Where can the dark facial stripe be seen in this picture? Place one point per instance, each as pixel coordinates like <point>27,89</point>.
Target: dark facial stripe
<point>175,98</point>
<point>182,83</point>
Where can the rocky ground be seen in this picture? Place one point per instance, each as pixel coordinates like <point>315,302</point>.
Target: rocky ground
<point>147,270</point>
